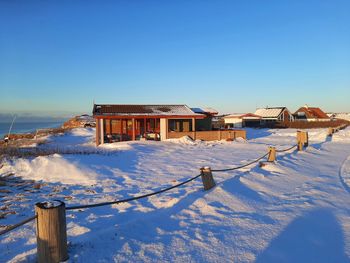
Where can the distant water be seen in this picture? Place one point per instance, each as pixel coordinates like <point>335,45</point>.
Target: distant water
<point>26,127</point>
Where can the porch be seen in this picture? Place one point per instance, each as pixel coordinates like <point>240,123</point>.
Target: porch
<point>118,129</point>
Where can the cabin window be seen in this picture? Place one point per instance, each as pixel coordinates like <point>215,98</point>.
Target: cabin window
<point>180,125</point>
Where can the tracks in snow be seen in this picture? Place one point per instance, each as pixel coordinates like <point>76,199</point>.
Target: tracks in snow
<point>344,174</point>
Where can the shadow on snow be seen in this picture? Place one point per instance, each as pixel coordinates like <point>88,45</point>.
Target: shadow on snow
<point>314,237</point>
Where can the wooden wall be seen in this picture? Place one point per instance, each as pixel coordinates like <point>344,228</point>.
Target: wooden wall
<point>210,135</point>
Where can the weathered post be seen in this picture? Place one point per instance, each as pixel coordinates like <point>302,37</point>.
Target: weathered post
<point>272,154</point>
<point>304,138</point>
<point>207,178</point>
<point>300,146</point>
<point>300,143</point>
<point>51,232</point>
<point>330,132</point>
<point>299,140</point>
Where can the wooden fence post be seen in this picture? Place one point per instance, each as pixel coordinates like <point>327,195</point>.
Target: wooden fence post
<point>299,141</point>
<point>300,146</point>
<point>51,232</point>
<point>207,178</point>
<point>272,154</point>
<point>305,138</point>
<point>302,140</point>
<point>330,132</point>
<point>298,136</point>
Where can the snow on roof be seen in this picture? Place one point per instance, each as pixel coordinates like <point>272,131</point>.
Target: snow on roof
<point>242,116</point>
<point>205,110</point>
<point>143,110</point>
<point>269,112</point>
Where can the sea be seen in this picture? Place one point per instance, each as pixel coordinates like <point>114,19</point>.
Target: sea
<point>26,127</point>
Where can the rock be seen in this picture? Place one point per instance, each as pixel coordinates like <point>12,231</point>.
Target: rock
<point>79,122</point>
<point>37,186</point>
<point>262,164</point>
<point>4,214</point>
<point>6,191</point>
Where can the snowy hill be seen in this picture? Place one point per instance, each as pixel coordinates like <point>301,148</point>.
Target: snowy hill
<point>295,210</point>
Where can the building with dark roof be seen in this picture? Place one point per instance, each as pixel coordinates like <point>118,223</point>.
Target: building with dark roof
<point>205,124</point>
<point>270,116</point>
<point>121,122</point>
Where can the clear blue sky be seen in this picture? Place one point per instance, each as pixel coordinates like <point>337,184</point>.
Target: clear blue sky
<point>59,56</point>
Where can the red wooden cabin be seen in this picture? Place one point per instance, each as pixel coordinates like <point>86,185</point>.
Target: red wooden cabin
<point>134,122</point>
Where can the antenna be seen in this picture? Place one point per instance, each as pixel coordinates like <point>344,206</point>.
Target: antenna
<point>8,135</point>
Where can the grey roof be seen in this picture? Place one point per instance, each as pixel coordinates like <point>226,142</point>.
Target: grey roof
<point>143,110</point>
<point>206,110</point>
<point>270,112</point>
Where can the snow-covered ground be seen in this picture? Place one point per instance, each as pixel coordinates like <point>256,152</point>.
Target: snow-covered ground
<point>295,210</point>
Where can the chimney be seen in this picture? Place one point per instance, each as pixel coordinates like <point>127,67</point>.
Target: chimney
<point>306,106</point>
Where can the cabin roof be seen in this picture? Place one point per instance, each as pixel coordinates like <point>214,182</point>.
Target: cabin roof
<point>143,110</point>
<point>242,116</point>
<point>270,112</point>
<point>206,110</point>
<point>312,112</point>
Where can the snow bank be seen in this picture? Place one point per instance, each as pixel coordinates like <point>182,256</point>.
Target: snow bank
<point>183,140</point>
<point>117,145</point>
<point>83,132</point>
<point>342,136</point>
<point>317,135</point>
<point>76,137</point>
<point>54,169</point>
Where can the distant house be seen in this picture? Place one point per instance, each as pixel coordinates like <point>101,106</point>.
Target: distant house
<point>242,120</point>
<point>271,115</point>
<point>311,114</point>
<point>133,122</point>
<point>205,124</point>
<point>218,122</point>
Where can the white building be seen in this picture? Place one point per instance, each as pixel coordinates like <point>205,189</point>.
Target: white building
<point>242,120</point>
<point>274,114</point>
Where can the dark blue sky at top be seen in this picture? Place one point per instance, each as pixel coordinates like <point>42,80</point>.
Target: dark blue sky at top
<point>60,56</point>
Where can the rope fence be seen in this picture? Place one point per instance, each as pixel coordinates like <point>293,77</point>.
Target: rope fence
<point>51,218</point>
<point>12,227</point>
<point>239,167</point>
<point>288,149</point>
<point>132,198</point>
